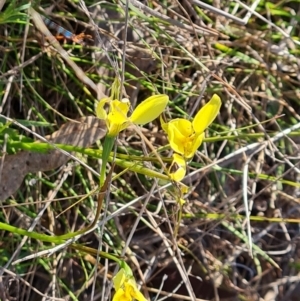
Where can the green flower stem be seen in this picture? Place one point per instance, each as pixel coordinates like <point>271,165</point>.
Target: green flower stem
<point>125,266</point>
<point>42,237</point>
<point>140,169</point>
<point>126,162</point>
<point>58,240</point>
<point>107,148</point>
<point>102,254</point>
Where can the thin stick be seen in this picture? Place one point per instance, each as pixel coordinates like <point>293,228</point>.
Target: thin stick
<point>40,25</point>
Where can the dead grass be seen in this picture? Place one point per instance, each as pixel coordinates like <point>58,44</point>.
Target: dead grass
<point>188,53</point>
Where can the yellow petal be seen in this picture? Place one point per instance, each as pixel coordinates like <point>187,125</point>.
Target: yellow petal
<point>100,112</point>
<point>120,107</point>
<point>178,133</point>
<point>180,171</point>
<point>184,126</point>
<point>181,201</point>
<point>207,114</point>
<point>138,296</point>
<point>149,109</point>
<point>131,287</point>
<point>117,118</point>
<point>184,189</point>
<point>193,146</point>
<point>126,288</point>
<point>119,279</point>
<point>121,295</point>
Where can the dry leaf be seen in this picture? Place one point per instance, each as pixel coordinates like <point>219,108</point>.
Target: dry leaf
<point>13,168</point>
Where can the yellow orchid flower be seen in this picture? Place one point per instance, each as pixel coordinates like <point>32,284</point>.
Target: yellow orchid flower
<point>184,136</point>
<point>126,288</point>
<point>117,120</point>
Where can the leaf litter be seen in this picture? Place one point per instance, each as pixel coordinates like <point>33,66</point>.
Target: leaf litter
<point>13,168</point>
